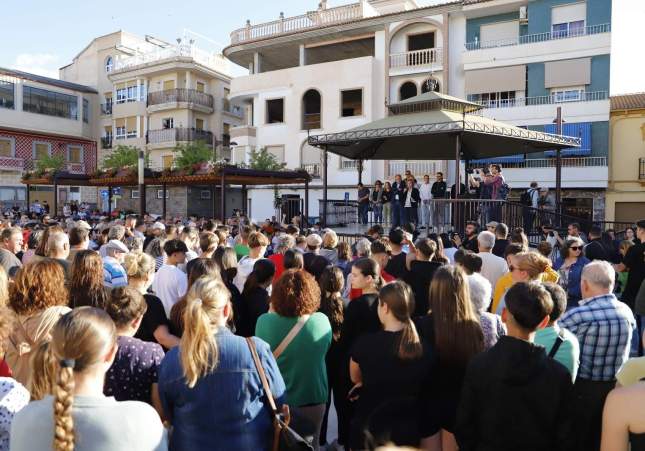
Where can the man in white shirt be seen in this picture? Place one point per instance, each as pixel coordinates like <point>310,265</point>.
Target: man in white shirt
<point>426,195</point>
<point>493,267</point>
<point>170,282</point>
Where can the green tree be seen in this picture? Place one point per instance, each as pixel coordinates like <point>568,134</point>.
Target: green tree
<point>49,162</point>
<point>193,153</point>
<point>123,156</point>
<point>264,160</point>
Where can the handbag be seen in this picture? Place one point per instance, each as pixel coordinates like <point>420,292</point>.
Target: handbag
<point>284,438</point>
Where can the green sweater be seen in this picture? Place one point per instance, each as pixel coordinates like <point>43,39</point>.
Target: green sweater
<point>302,364</point>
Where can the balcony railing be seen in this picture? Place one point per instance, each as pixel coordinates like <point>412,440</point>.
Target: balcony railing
<point>641,171</point>
<point>417,168</point>
<point>170,135</point>
<point>212,60</point>
<point>313,169</point>
<point>106,142</point>
<point>11,163</point>
<point>180,95</point>
<point>417,58</point>
<point>544,100</point>
<point>229,108</point>
<point>75,168</point>
<point>573,162</point>
<point>540,37</point>
<point>106,109</point>
<point>310,20</point>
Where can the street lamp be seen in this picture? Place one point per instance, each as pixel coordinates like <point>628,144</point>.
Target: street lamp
<point>141,182</point>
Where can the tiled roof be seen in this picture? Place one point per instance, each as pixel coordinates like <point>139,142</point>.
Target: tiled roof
<point>47,80</point>
<point>628,101</point>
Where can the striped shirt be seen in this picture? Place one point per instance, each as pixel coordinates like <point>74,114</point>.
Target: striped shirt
<point>604,328</point>
<point>114,274</point>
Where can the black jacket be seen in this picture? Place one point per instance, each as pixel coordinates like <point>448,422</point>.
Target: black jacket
<point>514,398</point>
<point>500,247</point>
<point>397,189</point>
<point>438,190</point>
<point>415,197</point>
<point>419,277</point>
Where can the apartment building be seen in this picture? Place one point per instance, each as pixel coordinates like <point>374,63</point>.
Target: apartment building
<point>41,116</point>
<point>332,69</point>
<point>155,95</point>
<point>625,194</point>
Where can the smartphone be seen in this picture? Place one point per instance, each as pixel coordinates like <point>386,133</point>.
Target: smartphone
<point>406,248</point>
<point>354,393</point>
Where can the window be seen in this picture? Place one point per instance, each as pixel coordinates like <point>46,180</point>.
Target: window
<point>346,163</point>
<point>420,41</point>
<point>226,134</point>
<point>40,150</point>
<point>200,86</point>
<point>134,194</point>
<point>430,85</point>
<point>277,152</point>
<point>126,92</point>
<point>7,147</point>
<point>205,194</point>
<point>108,64</point>
<point>407,90</point>
<point>160,194</point>
<point>75,154</point>
<point>167,122</point>
<point>275,111</point>
<point>166,161</point>
<point>168,85</point>
<point>351,103</point>
<point>226,101</point>
<point>50,103</point>
<point>494,99</point>
<point>199,124</point>
<point>86,111</point>
<point>6,94</point>
<point>569,29</point>
<point>569,94</point>
<point>311,104</point>
<point>131,126</point>
<point>568,20</point>
<point>120,131</point>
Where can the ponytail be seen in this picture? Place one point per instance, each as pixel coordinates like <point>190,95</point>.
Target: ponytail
<point>63,401</point>
<point>251,283</point>
<point>199,353</point>
<point>410,346</point>
<point>263,272</point>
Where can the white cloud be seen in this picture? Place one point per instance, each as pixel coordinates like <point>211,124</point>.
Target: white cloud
<point>45,64</point>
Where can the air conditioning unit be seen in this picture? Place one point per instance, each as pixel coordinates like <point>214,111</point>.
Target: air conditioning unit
<point>524,15</point>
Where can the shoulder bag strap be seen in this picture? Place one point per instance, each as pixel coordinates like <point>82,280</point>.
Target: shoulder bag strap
<point>291,335</point>
<point>558,341</point>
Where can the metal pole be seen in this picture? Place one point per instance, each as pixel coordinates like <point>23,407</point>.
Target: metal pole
<point>109,201</point>
<point>457,161</point>
<point>214,200</point>
<point>244,200</point>
<point>324,212</point>
<point>360,171</point>
<point>142,186</point>
<point>306,212</point>
<point>222,199</point>
<point>558,164</point>
<point>163,201</point>
<point>28,197</point>
<point>55,197</point>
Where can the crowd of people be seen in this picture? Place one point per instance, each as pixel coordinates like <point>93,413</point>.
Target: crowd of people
<point>152,334</point>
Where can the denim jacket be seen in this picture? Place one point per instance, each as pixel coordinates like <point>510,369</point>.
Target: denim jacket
<point>573,282</point>
<point>225,410</point>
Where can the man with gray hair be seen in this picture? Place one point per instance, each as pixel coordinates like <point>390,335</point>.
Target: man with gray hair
<point>116,232</point>
<point>285,242</point>
<point>10,244</point>
<point>493,267</point>
<point>604,328</point>
<point>58,250</point>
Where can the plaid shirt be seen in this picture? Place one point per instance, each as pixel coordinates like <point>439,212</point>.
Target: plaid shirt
<point>604,328</point>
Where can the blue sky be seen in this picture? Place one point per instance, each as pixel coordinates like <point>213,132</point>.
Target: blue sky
<point>42,35</point>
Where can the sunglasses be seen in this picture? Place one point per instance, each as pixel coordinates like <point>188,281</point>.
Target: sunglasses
<point>575,248</point>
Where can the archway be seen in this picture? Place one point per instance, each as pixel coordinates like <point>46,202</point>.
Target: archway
<point>407,90</point>
<point>311,107</point>
<point>431,84</point>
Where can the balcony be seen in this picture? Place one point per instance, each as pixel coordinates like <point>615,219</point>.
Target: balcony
<point>180,97</point>
<point>182,52</point>
<point>540,37</point>
<point>106,142</point>
<point>311,20</point>
<point>11,164</point>
<point>106,109</point>
<point>234,110</point>
<point>171,136</point>
<point>569,162</point>
<point>544,100</point>
<point>424,60</point>
<point>75,168</point>
<point>313,169</point>
<point>641,171</point>
<point>417,168</point>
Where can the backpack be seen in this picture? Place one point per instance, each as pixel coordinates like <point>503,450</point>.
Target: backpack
<point>527,197</point>
<point>503,191</point>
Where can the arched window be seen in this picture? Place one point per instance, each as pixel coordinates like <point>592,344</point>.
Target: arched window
<point>108,64</point>
<point>431,84</point>
<point>407,90</point>
<point>311,104</point>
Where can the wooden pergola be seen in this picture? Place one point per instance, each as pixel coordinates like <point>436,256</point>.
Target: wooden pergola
<point>221,176</point>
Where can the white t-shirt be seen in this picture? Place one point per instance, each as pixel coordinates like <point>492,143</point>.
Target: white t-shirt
<point>100,424</point>
<point>244,268</point>
<point>170,285</point>
<point>493,267</point>
<point>425,191</point>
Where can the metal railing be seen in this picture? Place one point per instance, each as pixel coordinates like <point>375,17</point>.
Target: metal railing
<point>417,58</point>
<point>417,168</point>
<point>106,142</point>
<point>348,164</point>
<point>75,168</point>
<point>106,109</point>
<point>180,95</point>
<point>310,20</point>
<point>641,171</point>
<point>212,60</point>
<point>313,169</point>
<point>170,135</point>
<point>544,100</point>
<point>578,162</point>
<point>540,37</point>
<point>235,110</point>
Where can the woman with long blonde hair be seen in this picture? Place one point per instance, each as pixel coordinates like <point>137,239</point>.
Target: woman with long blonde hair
<point>452,328</point>
<point>78,417</point>
<point>209,386</point>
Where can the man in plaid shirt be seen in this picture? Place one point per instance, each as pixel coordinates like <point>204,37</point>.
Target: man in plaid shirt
<point>604,328</point>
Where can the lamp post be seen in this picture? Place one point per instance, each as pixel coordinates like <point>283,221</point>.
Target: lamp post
<point>141,181</point>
